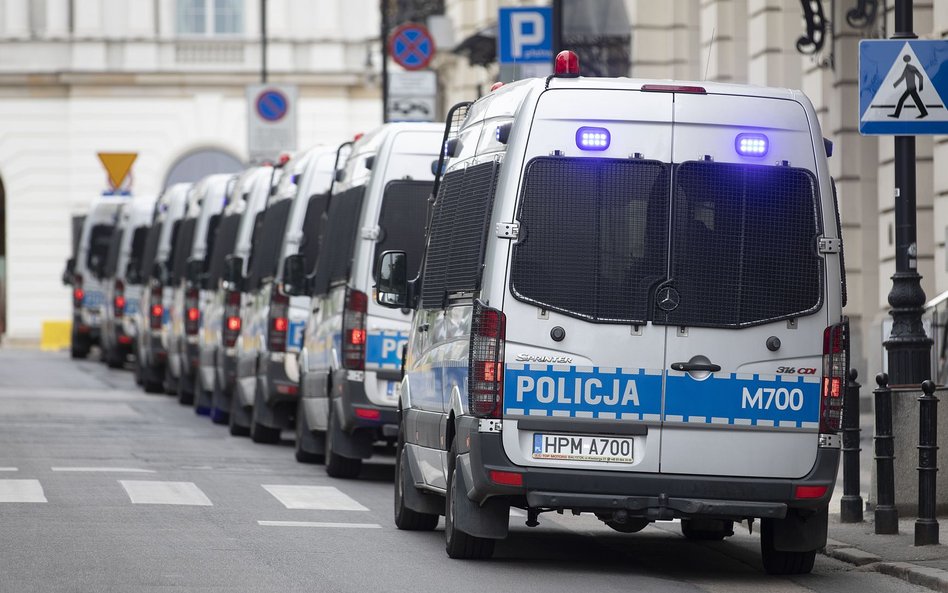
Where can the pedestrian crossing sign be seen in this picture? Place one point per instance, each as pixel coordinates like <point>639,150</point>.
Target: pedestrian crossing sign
<point>903,86</point>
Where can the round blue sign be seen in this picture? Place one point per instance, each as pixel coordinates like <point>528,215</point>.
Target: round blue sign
<point>272,105</point>
<point>411,46</point>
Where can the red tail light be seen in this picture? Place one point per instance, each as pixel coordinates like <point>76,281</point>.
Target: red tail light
<point>353,330</point>
<point>835,364</point>
<point>367,413</point>
<point>279,323</point>
<point>231,318</point>
<point>77,293</point>
<point>157,310</point>
<point>485,388</point>
<point>118,301</point>
<point>192,317</point>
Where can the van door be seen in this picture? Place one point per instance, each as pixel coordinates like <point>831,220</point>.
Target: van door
<point>744,302</point>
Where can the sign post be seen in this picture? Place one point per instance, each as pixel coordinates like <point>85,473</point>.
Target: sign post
<point>900,93</point>
<point>411,96</point>
<point>271,120</point>
<point>118,165</point>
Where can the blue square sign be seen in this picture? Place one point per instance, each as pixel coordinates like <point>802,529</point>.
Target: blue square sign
<point>525,35</point>
<point>902,87</point>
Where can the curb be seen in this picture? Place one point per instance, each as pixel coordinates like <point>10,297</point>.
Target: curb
<point>935,579</point>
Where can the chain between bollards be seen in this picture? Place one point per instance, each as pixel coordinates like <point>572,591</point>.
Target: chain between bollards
<point>926,526</point>
<point>851,504</point>
<point>886,515</point>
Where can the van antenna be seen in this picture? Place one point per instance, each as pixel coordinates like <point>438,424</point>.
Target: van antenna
<point>707,63</point>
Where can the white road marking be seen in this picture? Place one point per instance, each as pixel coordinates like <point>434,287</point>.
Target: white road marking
<point>517,512</point>
<point>21,491</point>
<point>317,498</point>
<point>9,469</point>
<point>181,493</point>
<point>116,470</point>
<point>319,524</point>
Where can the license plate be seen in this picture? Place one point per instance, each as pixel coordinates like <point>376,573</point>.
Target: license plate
<point>582,448</point>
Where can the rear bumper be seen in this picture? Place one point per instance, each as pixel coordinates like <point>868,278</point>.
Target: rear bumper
<point>277,387</point>
<point>651,496</point>
<point>356,411</point>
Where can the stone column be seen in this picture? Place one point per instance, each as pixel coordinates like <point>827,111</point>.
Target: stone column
<point>16,19</point>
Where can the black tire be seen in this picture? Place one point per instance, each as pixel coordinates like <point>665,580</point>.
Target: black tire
<point>138,369</point>
<point>630,526</point>
<point>407,519</point>
<point>149,383</point>
<point>338,466</point>
<point>457,544</point>
<point>266,435</point>
<point>114,358</point>
<point>303,433</point>
<point>78,348</point>
<point>698,533</point>
<point>236,429</point>
<point>184,398</point>
<point>777,562</point>
<point>218,415</point>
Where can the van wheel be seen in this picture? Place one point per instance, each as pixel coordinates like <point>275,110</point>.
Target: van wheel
<point>184,398</point>
<point>338,466</point>
<point>78,348</point>
<point>218,415</point>
<point>149,384</point>
<point>777,562</point>
<point>407,519</point>
<point>114,358</point>
<point>457,544</point>
<point>706,530</point>
<point>237,429</point>
<point>305,442</point>
<point>629,526</point>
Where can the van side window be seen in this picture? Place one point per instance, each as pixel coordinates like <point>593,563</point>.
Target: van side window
<point>593,236</point>
<point>224,245</point>
<point>309,245</point>
<point>458,233</point>
<point>339,235</point>
<point>402,221</point>
<point>743,244</point>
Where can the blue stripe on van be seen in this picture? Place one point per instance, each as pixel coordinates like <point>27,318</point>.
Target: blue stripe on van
<point>383,349</point>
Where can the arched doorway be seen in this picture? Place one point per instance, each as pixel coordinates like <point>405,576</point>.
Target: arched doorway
<point>200,163</point>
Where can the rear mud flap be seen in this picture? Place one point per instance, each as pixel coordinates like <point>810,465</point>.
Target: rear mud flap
<point>489,520</point>
<point>414,498</point>
<point>355,445</point>
<point>800,532</point>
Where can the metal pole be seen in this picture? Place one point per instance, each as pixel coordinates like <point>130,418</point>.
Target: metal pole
<point>383,9</point>
<point>850,510</point>
<point>263,41</point>
<point>909,349</point>
<point>926,526</point>
<point>557,27</point>
<point>886,515</point>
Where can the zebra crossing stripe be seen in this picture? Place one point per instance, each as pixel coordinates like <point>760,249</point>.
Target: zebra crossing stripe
<point>318,498</point>
<point>172,493</point>
<point>21,491</point>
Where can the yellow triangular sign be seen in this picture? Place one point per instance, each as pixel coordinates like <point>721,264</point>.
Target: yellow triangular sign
<point>118,164</point>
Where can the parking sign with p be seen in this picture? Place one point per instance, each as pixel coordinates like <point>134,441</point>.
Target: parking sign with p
<point>525,35</point>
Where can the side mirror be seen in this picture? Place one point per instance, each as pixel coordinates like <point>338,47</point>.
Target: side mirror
<point>392,283</point>
<point>234,272</point>
<point>370,162</point>
<point>340,174</point>
<point>294,275</point>
<point>133,273</point>
<point>69,272</point>
<point>195,271</point>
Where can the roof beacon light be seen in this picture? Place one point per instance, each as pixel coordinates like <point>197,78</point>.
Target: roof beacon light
<point>751,145</point>
<point>496,86</point>
<point>588,138</point>
<point>566,64</point>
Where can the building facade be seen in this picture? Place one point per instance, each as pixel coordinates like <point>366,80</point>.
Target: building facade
<point>165,79</point>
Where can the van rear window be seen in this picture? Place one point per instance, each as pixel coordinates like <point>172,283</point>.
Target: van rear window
<point>339,232</point>
<point>594,241</point>
<point>309,245</point>
<point>182,250</point>
<point>402,221</point>
<point>138,248</point>
<point>265,252</point>
<point>99,239</point>
<point>151,249</point>
<point>224,244</point>
<point>111,260</point>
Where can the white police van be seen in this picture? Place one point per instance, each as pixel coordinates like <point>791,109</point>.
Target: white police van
<point>153,317</point>
<point>630,305</point>
<point>124,287</point>
<point>351,357</point>
<point>87,274</point>
<point>273,333</point>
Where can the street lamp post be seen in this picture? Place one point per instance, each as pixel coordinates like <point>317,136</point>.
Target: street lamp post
<point>909,349</point>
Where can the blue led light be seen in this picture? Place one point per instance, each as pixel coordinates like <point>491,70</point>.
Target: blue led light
<point>588,138</point>
<point>751,144</point>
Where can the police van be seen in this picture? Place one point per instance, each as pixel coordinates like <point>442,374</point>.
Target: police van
<point>123,286</point>
<point>267,364</point>
<point>630,305</point>
<point>153,316</point>
<point>195,234</point>
<point>87,274</point>
<point>351,357</point>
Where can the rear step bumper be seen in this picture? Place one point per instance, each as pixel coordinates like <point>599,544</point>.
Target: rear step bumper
<point>659,508</point>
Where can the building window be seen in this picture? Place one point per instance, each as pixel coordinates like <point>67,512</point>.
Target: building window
<point>210,17</point>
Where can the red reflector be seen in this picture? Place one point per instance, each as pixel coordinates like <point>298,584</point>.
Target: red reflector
<point>280,324</point>
<point>674,88</point>
<point>233,323</point>
<point>809,491</point>
<point>193,314</point>
<point>156,310</point>
<point>287,389</point>
<point>367,414</point>
<point>358,337</point>
<point>125,339</point>
<point>506,478</point>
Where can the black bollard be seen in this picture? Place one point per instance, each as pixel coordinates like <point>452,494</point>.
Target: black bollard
<point>926,526</point>
<point>850,509</point>
<point>886,515</point>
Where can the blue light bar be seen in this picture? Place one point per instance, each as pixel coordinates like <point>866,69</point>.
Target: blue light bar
<point>588,138</point>
<point>751,144</point>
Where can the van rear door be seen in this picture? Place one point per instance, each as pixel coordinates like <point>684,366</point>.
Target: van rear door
<point>744,302</point>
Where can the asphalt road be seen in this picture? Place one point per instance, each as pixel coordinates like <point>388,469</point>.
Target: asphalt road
<point>104,488</point>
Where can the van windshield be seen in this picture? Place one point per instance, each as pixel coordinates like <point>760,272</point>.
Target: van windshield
<point>594,241</point>
<point>402,221</point>
<point>99,239</point>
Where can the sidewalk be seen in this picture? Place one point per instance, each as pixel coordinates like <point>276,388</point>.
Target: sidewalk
<point>894,555</point>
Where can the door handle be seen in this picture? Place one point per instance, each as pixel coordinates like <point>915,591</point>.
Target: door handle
<point>696,366</point>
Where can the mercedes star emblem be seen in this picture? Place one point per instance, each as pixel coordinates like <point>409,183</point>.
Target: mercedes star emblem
<point>668,299</point>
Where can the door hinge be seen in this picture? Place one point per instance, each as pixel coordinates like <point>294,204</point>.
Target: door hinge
<point>508,230</point>
<point>830,245</point>
<point>371,233</point>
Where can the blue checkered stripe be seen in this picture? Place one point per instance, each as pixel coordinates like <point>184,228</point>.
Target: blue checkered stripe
<point>93,298</point>
<point>784,401</point>
<point>383,349</point>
